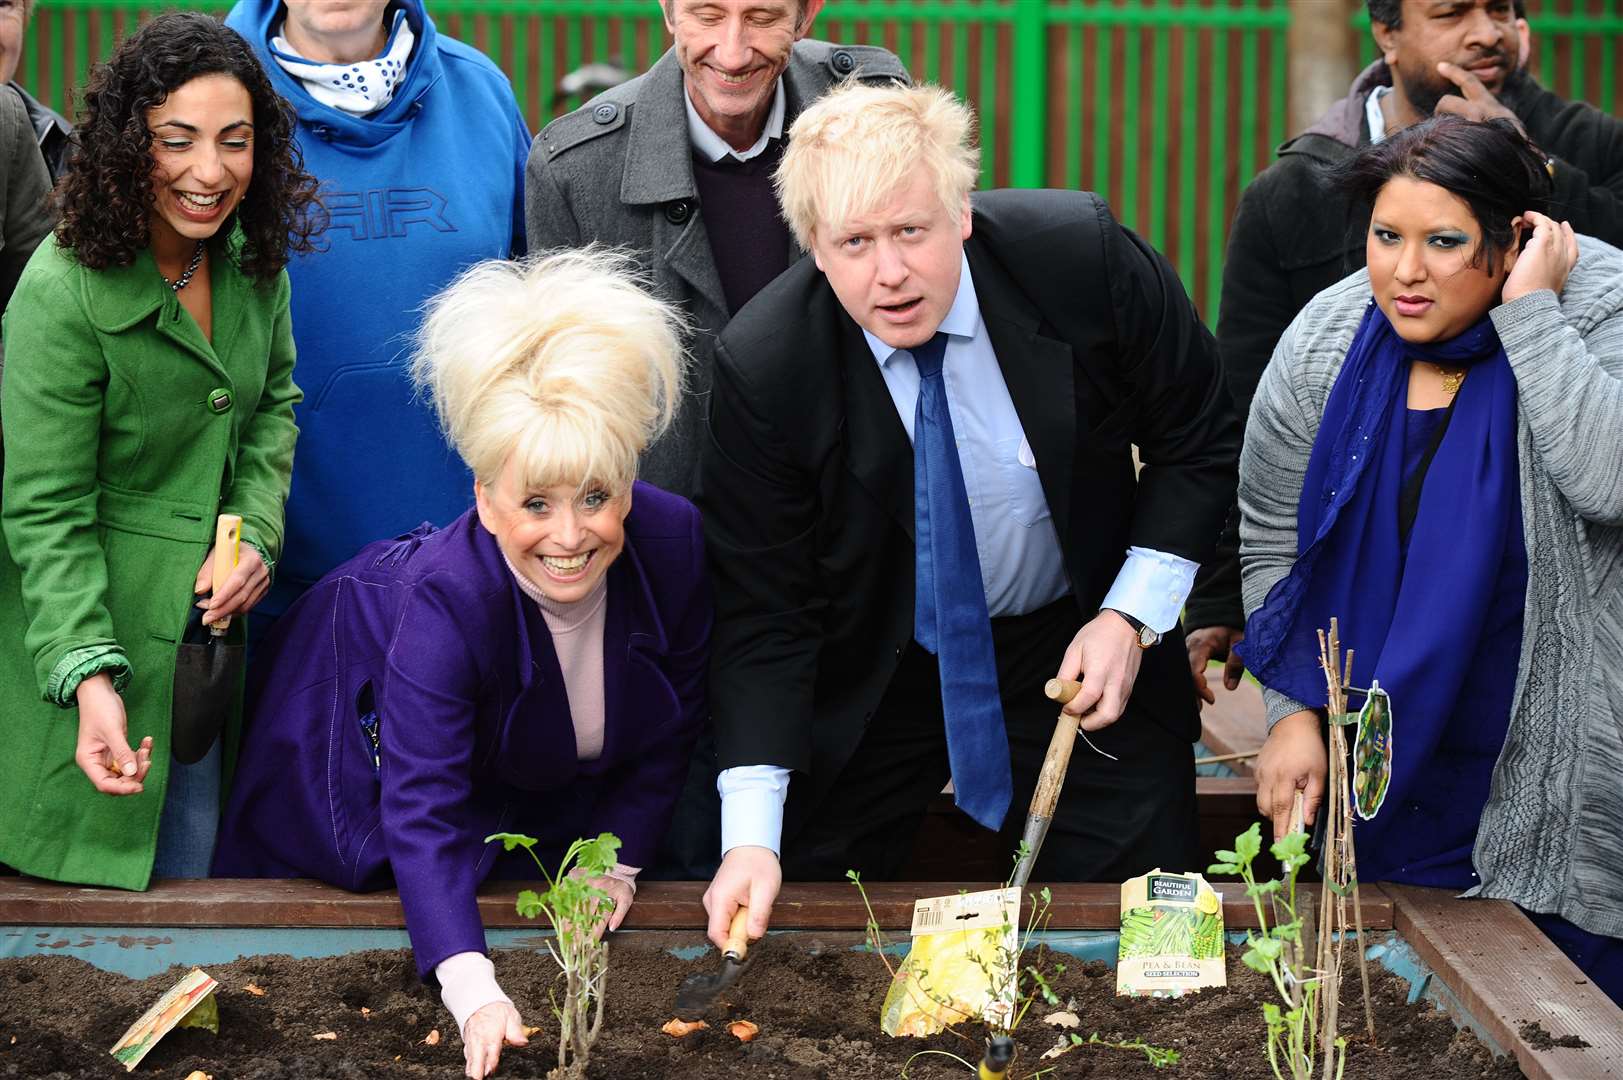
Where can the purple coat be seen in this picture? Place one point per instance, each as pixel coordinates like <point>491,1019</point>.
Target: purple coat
<point>474,736</point>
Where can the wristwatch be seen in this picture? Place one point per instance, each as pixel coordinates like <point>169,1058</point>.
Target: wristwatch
<point>1146,636</point>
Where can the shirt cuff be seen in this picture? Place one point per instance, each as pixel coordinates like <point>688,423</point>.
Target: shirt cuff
<point>77,665</point>
<point>1152,587</point>
<point>468,984</point>
<point>752,798</point>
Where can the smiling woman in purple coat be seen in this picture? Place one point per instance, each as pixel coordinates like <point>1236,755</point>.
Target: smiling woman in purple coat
<point>535,666</point>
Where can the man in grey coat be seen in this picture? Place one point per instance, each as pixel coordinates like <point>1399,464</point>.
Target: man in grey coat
<point>676,165</point>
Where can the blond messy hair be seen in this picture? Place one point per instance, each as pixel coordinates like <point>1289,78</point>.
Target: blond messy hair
<point>563,362</point>
<point>856,147</point>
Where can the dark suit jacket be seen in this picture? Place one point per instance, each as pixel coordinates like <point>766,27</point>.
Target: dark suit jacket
<point>475,730</point>
<point>806,483</point>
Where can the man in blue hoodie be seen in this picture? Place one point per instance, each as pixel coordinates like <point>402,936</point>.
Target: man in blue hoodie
<point>420,148</point>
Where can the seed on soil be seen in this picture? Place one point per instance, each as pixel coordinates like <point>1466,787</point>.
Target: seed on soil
<point>366,1014</point>
<point>530,1031</point>
<point>743,1030</point>
<point>680,1028</point>
<point>198,1074</point>
<point>432,1038</point>
<point>1062,1019</point>
<point>255,991</point>
<point>327,1035</point>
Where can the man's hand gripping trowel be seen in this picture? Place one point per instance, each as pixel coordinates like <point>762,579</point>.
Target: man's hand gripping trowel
<point>701,989</point>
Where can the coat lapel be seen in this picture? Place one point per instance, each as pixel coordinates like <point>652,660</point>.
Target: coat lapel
<point>877,451</point>
<point>659,170</point>
<point>634,684</point>
<point>1040,373</point>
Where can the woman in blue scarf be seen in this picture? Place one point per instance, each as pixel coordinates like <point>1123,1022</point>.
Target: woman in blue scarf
<point>1433,460</point>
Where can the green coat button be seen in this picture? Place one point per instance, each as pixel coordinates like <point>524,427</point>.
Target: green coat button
<point>220,400</point>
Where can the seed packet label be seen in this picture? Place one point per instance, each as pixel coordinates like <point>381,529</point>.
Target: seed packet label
<point>966,911</point>
<point>960,967</point>
<point>166,1014</point>
<point>1372,753</point>
<point>1171,936</point>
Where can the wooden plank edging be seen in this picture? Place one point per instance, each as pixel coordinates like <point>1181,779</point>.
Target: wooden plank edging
<point>660,905</point>
<point>1507,973</point>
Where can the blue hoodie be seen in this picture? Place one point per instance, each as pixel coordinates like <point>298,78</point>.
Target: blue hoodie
<point>416,192</point>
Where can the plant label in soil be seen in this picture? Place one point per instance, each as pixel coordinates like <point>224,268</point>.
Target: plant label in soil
<point>1171,936</point>
<point>177,1005</point>
<point>960,965</point>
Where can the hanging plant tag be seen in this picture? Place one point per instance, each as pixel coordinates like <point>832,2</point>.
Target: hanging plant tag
<point>1372,753</point>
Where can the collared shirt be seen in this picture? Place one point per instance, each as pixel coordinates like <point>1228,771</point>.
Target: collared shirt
<point>1374,115</point>
<point>714,147</point>
<point>1022,564</point>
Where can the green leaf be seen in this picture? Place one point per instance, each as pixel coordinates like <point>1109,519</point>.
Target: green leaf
<point>1268,948</point>
<point>1263,888</point>
<point>1248,845</point>
<point>511,840</point>
<point>1289,846</point>
<point>1224,855</point>
<point>529,904</point>
<point>1251,959</point>
<point>1223,867</point>
<point>1271,1013</point>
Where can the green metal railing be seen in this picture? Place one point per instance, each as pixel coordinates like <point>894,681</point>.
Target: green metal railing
<point>1166,107</point>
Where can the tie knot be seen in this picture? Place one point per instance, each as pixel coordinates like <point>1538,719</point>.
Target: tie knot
<point>929,355</point>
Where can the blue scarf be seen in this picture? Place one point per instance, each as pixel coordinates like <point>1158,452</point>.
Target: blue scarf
<point>1414,622</point>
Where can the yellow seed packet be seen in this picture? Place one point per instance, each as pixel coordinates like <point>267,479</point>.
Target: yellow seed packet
<point>189,1003</point>
<point>960,967</point>
<point>1171,936</point>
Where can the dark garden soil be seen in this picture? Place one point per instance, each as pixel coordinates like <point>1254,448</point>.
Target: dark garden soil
<point>817,1009</point>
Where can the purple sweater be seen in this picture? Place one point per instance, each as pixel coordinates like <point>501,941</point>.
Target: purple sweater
<point>432,634</point>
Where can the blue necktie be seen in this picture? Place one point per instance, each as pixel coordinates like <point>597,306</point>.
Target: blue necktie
<point>949,613</point>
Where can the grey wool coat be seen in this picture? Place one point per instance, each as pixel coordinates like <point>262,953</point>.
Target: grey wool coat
<point>1551,833</point>
<point>619,171</point>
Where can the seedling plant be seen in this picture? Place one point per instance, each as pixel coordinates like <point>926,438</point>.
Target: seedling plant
<point>576,909</point>
<point>1277,952</point>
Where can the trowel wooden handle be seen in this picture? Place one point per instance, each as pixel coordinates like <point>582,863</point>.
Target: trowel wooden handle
<point>1062,690</point>
<point>738,935</point>
<point>1055,764</point>
<point>227,537</point>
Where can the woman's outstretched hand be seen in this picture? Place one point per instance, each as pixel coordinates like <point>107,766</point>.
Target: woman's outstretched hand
<point>104,750</point>
<point>1292,759</point>
<point>247,585</point>
<point>1546,260</point>
<point>486,1033</point>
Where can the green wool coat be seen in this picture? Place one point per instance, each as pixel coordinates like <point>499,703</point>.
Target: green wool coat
<point>126,432</point>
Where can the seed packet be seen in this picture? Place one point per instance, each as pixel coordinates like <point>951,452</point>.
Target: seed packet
<point>960,967</point>
<point>1171,936</point>
<point>189,1003</point>
<point>1372,753</point>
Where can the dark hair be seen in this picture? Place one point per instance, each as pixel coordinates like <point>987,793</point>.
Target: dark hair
<point>1390,12</point>
<point>1489,164</point>
<point>105,197</point>
<point>1386,12</point>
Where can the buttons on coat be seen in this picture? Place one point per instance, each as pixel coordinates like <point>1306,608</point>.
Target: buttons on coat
<point>220,399</point>
<point>606,112</point>
<point>842,62</point>
<point>679,211</point>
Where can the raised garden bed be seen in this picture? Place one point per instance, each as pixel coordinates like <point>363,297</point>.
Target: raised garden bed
<point>815,999</point>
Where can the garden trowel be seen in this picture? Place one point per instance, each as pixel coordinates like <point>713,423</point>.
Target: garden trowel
<point>701,989</point>
<point>208,669</point>
<point>1050,780</point>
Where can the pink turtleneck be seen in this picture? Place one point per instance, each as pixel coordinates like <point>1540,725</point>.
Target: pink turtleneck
<point>577,638</point>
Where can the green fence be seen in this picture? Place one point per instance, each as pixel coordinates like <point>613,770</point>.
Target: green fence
<point>1167,107</point>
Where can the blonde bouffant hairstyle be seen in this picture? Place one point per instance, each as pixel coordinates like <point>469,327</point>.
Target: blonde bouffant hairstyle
<point>857,146</point>
<point>564,362</point>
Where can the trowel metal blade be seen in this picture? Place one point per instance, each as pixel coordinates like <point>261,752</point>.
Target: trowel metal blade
<point>701,989</point>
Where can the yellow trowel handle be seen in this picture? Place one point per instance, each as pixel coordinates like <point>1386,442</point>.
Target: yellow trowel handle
<point>738,937</point>
<point>227,539</point>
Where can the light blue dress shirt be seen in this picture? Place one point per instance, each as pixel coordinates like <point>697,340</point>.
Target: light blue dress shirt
<point>1022,564</point>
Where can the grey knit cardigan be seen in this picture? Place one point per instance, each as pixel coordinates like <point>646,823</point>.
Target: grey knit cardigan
<point>1551,834</point>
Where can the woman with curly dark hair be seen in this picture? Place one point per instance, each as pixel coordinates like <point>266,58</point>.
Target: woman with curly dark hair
<point>148,388</point>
